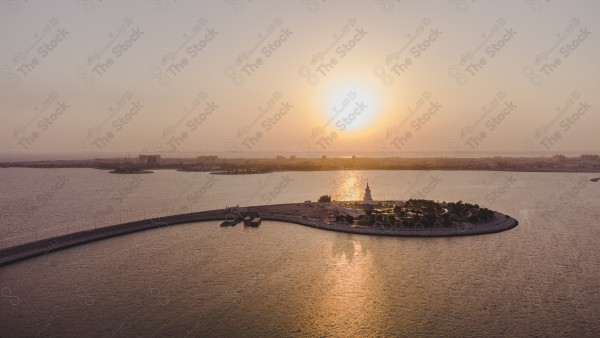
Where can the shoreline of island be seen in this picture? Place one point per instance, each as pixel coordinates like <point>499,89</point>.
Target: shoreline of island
<point>503,222</point>
<point>295,213</point>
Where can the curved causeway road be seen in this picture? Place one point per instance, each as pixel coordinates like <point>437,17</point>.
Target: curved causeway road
<point>308,214</point>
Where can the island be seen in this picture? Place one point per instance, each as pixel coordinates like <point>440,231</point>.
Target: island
<point>411,218</point>
<point>130,171</point>
<point>242,172</point>
<point>129,168</point>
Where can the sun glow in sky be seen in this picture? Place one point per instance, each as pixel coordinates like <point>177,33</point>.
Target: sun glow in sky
<point>286,77</point>
<point>352,106</point>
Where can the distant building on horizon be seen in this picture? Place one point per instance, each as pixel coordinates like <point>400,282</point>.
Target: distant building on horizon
<point>207,158</point>
<point>149,160</point>
<point>589,157</point>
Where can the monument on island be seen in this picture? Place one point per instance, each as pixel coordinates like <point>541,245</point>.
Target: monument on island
<point>367,199</point>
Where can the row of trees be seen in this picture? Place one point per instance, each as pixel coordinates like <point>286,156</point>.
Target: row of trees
<point>461,211</point>
<point>418,213</point>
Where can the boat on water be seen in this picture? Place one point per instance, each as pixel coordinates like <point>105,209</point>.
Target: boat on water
<point>256,222</point>
<point>252,221</point>
<point>228,223</point>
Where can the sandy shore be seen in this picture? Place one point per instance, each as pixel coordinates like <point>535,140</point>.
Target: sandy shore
<point>308,214</point>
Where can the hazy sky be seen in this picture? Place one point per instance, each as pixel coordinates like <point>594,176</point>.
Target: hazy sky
<point>308,77</point>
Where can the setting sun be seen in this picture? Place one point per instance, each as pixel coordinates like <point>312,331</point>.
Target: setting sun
<point>351,107</point>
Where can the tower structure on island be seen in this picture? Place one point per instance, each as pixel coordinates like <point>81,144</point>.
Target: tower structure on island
<point>367,198</point>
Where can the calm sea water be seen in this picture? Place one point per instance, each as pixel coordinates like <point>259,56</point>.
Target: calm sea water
<point>539,279</point>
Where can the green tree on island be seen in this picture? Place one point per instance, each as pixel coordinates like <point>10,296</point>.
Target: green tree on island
<point>325,199</point>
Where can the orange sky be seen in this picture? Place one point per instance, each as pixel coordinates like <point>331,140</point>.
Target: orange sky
<point>300,77</point>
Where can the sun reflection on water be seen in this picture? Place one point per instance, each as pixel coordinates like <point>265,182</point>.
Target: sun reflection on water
<point>349,290</point>
<point>349,186</point>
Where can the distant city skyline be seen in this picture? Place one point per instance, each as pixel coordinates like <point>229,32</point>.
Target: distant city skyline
<point>238,78</point>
